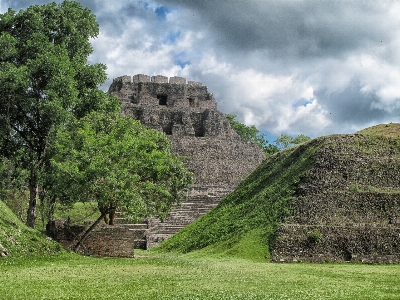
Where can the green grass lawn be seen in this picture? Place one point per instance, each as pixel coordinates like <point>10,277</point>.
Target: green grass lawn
<point>168,276</point>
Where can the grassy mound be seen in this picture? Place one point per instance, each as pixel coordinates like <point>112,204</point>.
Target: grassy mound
<point>246,222</point>
<point>251,213</point>
<point>19,242</point>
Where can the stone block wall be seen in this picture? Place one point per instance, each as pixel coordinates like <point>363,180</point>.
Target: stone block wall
<point>159,79</point>
<point>141,78</point>
<point>347,206</point>
<point>363,243</point>
<point>195,83</point>
<point>156,91</point>
<point>179,122</point>
<point>104,240</point>
<point>177,80</point>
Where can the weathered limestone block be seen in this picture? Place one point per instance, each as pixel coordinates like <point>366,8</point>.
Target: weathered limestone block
<point>3,251</point>
<point>195,83</point>
<point>141,78</point>
<point>159,79</point>
<point>177,80</point>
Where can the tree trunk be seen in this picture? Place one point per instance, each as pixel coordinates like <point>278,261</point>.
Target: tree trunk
<point>31,213</point>
<point>89,230</point>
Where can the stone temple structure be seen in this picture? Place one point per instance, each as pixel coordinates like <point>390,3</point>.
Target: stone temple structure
<point>200,134</point>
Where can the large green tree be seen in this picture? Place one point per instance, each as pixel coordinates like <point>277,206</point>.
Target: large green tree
<point>45,81</point>
<point>117,162</point>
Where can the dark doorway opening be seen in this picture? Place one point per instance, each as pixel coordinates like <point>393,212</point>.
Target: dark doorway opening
<point>162,99</point>
<point>192,102</point>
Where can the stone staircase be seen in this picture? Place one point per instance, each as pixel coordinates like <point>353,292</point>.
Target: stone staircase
<point>181,216</point>
<point>151,232</point>
<point>140,230</point>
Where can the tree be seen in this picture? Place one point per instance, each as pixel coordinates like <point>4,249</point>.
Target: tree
<point>117,162</point>
<point>301,138</point>
<point>284,140</point>
<point>252,134</point>
<point>45,82</point>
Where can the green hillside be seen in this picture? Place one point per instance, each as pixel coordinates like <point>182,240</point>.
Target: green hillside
<point>310,199</point>
<point>252,212</point>
<point>19,242</point>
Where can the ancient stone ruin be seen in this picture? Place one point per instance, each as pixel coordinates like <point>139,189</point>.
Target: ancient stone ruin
<point>200,134</point>
<point>347,205</point>
<point>104,240</point>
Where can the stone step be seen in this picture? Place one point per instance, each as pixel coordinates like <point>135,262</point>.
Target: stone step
<point>134,226</point>
<point>168,228</point>
<point>151,232</point>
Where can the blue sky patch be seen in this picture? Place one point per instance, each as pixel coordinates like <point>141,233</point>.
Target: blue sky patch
<point>162,12</point>
<point>172,37</point>
<point>303,102</point>
<point>181,59</point>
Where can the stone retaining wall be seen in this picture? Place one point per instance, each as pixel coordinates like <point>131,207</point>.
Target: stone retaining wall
<point>347,205</point>
<point>104,240</point>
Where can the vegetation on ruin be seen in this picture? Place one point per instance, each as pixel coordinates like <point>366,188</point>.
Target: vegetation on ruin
<point>252,134</point>
<point>118,163</point>
<point>245,222</point>
<point>391,130</point>
<point>284,140</point>
<point>252,212</point>
<point>23,243</point>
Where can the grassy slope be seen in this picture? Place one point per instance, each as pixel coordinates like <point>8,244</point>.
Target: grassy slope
<point>22,242</point>
<point>244,222</point>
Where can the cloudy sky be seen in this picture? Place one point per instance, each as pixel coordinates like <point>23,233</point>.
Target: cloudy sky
<point>297,67</point>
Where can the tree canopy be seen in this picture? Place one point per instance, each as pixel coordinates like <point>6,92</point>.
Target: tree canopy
<point>45,82</point>
<point>252,134</point>
<point>116,161</point>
